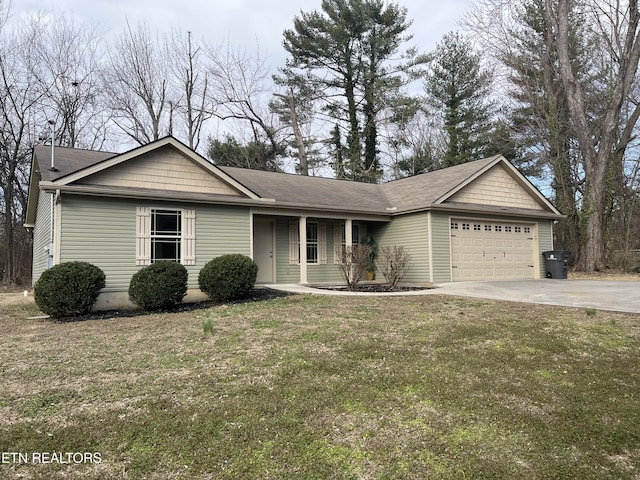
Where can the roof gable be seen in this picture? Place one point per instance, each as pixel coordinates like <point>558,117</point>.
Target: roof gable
<point>424,190</point>
<point>165,164</point>
<point>164,168</point>
<point>497,186</point>
<point>500,184</point>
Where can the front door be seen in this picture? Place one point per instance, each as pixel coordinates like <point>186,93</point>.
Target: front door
<point>263,251</point>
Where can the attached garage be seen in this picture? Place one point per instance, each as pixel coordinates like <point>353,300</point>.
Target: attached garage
<point>492,250</point>
<point>482,221</point>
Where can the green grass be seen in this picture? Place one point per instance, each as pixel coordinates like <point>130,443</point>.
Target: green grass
<point>327,388</point>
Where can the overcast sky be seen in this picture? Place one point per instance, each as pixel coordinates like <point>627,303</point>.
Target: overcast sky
<point>244,23</point>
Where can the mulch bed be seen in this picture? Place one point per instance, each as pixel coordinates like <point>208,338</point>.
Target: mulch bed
<point>256,295</point>
<point>369,288</point>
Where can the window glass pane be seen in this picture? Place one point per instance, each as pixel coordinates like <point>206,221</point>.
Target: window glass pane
<point>312,232</point>
<point>165,222</point>
<point>312,243</point>
<point>312,253</point>
<point>165,250</point>
<point>355,233</point>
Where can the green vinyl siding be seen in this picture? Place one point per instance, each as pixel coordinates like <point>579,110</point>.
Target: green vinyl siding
<point>41,235</point>
<point>285,272</point>
<point>102,231</point>
<point>410,231</point>
<point>545,243</point>
<point>440,243</point>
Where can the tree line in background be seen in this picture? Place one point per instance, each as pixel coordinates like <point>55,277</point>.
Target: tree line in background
<point>550,84</point>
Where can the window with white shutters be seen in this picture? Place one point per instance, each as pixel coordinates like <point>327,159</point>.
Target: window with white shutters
<point>165,234</point>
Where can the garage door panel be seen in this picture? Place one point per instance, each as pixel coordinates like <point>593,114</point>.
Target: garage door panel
<point>491,250</point>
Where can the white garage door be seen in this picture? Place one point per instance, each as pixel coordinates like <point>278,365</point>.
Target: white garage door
<point>485,250</point>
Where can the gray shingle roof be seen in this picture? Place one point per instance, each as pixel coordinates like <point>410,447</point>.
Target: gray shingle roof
<point>406,194</point>
<point>67,160</point>
<point>315,192</point>
<point>296,191</point>
<point>423,190</point>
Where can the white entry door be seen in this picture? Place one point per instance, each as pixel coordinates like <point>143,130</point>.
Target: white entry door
<point>263,250</point>
<point>486,250</point>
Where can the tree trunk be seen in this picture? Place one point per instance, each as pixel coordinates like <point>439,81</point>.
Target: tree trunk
<point>302,152</point>
<point>597,143</point>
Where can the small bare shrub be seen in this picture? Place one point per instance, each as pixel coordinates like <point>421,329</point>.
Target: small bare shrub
<point>394,264</point>
<point>355,259</point>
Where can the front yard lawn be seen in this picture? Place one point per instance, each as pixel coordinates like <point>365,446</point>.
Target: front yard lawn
<point>314,387</point>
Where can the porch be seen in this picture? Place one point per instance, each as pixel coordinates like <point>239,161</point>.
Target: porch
<point>305,249</point>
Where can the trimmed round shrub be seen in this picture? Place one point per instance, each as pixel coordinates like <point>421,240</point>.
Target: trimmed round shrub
<point>158,286</point>
<point>69,288</point>
<point>228,277</point>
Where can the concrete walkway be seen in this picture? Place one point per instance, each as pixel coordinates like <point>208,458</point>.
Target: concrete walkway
<point>620,296</point>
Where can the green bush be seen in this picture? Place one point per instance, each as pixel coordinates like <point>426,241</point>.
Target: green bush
<point>228,277</point>
<point>69,288</point>
<point>159,286</point>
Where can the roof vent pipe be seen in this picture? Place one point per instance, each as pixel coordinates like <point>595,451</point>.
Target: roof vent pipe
<point>53,143</point>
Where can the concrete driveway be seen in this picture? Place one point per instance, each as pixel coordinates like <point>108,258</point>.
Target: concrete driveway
<point>618,296</point>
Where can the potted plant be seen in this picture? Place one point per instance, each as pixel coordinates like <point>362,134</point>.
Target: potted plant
<point>369,242</point>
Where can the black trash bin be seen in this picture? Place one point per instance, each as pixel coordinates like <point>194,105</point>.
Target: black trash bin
<point>556,263</point>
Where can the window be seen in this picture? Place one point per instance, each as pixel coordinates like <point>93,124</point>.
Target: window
<point>498,228</point>
<point>507,229</point>
<point>312,242</point>
<point>466,226</point>
<point>487,228</point>
<point>518,229</point>
<point>477,227</point>
<point>454,226</point>
<point>316,250</point>
<point>527,229</point>
<point>163,234</point>
<point>166,235</point>
<point>358,231</point>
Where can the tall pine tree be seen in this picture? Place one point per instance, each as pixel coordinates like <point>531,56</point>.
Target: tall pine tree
<point>345,51</point>
<point>458,87</point>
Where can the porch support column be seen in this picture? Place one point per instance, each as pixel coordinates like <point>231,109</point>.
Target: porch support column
<point>348,232</point>
<point>302,223</point>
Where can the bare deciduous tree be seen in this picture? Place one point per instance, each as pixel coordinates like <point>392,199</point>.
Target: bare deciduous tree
<point>394,264</point>
<point>354,262</point>
<point>136,81</point>
<point>68,69</point>
<point>619,26</point>
<point>241,91</point>
<point>20,100</point>
<point>191,86</point>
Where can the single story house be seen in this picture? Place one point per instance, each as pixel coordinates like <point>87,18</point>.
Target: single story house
<point>122,211</point>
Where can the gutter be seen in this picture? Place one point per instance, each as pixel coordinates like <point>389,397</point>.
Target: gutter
<point>166,195</point>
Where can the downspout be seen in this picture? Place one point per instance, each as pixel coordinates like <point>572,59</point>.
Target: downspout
<point>53,196</point>
<point>57,228</point>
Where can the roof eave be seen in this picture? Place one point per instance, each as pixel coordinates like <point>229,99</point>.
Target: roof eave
<point>497,210</point>
<point>149,194</point>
